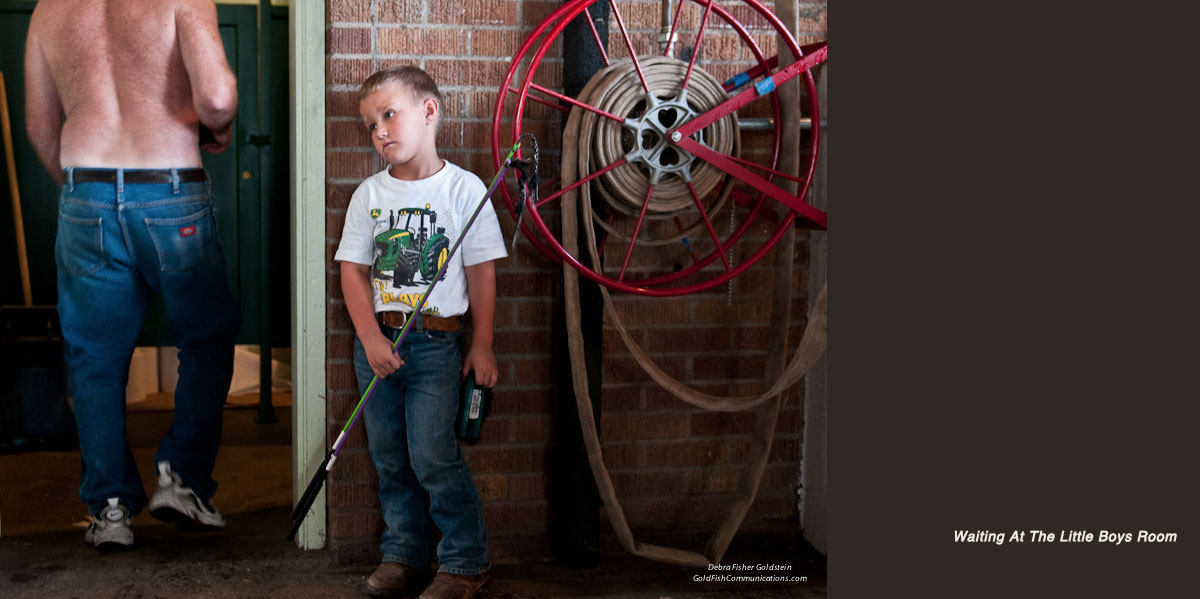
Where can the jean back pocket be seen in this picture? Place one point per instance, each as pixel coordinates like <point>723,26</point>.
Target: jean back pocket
<point>185,242</point>
<point>79,247</point>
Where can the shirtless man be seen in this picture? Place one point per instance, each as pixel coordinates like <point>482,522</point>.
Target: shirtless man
<point>116,93</point>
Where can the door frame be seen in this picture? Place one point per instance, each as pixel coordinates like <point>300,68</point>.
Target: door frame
<point>306,81</point>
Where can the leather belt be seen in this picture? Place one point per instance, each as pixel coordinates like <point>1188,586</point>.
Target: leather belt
<point>140,175</point>
<point>396,319</point>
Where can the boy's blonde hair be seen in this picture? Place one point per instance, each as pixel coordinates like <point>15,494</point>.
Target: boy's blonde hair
<point>418,83</point>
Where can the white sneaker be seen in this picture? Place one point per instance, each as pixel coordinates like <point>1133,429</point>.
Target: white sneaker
<point>110,528</point>
<point>173,502</point>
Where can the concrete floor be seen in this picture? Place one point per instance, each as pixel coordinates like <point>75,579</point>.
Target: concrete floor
<point>42,553</point>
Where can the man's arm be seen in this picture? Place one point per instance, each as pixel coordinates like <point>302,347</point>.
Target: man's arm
<point>481,290</point>
<point>214,87</point>
<point>43,108</point>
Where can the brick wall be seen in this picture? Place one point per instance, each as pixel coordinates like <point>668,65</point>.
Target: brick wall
<point>673,466</point>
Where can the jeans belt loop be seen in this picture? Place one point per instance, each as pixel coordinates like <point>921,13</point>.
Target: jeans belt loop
<point>175,181</point>
<point>207,182</point>
<point>120,182</point>
<point>70,178</point>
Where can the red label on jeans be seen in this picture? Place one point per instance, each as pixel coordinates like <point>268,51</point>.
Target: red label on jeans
<point>187,231</point>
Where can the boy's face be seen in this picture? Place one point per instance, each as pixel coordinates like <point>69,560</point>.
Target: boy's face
<point>401,128</point>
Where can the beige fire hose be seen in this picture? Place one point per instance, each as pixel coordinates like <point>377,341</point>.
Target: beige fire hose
<point>581,138</point>
<point>15,192</point>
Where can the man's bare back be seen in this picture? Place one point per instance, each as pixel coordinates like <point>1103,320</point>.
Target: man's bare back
<point>133,79</point>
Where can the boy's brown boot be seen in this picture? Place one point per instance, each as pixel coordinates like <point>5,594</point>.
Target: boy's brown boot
<point>392,579</point>
<point>454,586</point>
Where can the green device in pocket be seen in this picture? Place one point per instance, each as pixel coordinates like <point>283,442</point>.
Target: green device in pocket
<point>474,403</point>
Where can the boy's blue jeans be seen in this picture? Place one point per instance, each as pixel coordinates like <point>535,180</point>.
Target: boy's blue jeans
<point>410,432</point>
<point>115,244</point>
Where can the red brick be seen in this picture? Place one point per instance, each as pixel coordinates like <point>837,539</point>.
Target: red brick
<point>492,488</point>
<point>522,342</point>
<point>411,40</point>
<point>531,369</point>
<point>348,40</point>
<point>781,476</point>
<point>516,519</point>
<point>399,11</point>
<point>495,42</point>
<point>354,494</point>
<point>785,450</point>
<point>449,134</point>
<point>621,455</point>
<point>691,339</point>
<point>527,487</point>
<point>772,507</point>
<point>478,12</point>
<point>674,454</point>
<point>353,464</point>
<point>333,223</point>
<point>649,311</point>
<point>641,483</point>
<point>524,401</point>
<point>643,426</point>
<point>340,376</point>
<point>466,72</point>
<point>343,11</point>
<point>333,288</point>
<point>352,71</point>
<point>341,103</point>
<point>721,479</point>
<point>658,398</point>
<point>790,421</point>
<point>337,196</point>
<point>493,460</point>
<point>483,103</point>
<point>623,398</point>
<point>351,524</point>
<point>730,366</point>
<point>347,164</point>
<point>666,513</point>
<point>341,345</point>
<point>713,424</point>
<point>525,284</point>
<point>628,370</point>
<point>347,134</point>
<point>524,429</point>
<point>536,11</point>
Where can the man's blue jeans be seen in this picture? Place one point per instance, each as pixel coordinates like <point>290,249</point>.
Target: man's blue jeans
<point>410,432</point>
<point>115,244</point>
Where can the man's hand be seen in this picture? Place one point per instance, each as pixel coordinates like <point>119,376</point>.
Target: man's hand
<point>483,361</point>
<point>220,140</point>
<point>380,356</point>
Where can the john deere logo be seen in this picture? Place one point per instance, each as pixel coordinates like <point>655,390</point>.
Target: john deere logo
<point>375,212</point>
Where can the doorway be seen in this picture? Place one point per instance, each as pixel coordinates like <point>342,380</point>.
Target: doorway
<point>252,190</point>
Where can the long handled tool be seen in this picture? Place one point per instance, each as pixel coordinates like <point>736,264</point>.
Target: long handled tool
<point>318,479</point>
<point>10,163</point>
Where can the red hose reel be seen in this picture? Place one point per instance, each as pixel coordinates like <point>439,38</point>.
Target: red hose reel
<point>687,146</point>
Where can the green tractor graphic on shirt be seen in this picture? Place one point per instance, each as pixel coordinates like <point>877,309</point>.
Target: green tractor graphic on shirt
<point>406,251</point>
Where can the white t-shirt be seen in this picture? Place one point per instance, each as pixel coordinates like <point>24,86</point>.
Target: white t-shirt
<point>404,230</point>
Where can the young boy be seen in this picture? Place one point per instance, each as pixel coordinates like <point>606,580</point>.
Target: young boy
<point>400,225</point>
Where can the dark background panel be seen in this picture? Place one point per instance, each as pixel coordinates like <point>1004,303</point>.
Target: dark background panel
<point>1015,309</point>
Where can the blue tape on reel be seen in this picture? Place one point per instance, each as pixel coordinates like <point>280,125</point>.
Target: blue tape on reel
<point>765,86</point>
<point>738,80</point>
